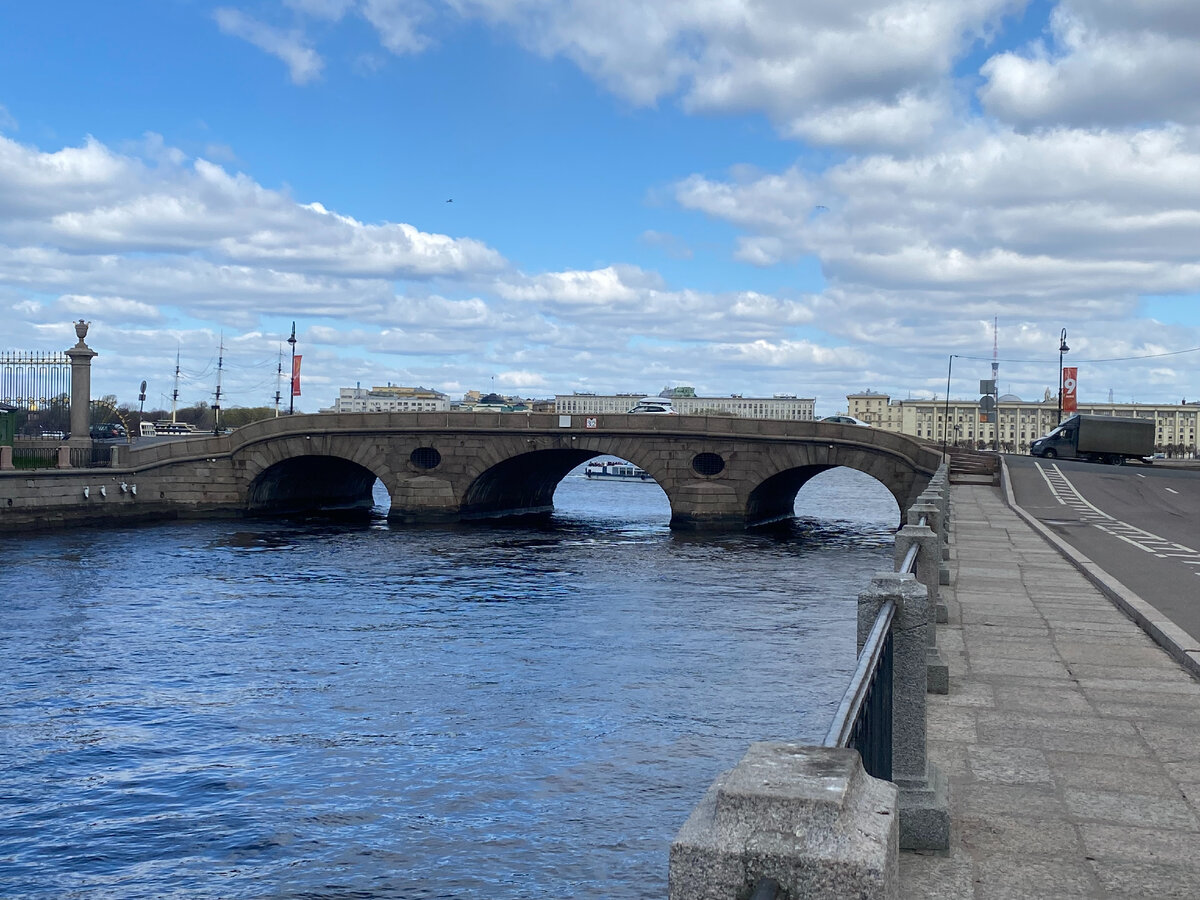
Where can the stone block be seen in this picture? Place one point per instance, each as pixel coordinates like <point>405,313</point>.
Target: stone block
<point>925,811</point>
<point>937,673</point>
<point>809,817</point>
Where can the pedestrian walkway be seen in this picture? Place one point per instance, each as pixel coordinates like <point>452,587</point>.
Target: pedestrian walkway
<point>1070,739</point>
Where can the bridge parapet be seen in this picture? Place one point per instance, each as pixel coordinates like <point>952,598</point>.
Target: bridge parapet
<point>717,472</point>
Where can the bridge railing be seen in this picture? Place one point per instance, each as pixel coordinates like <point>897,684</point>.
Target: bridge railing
<point>830,820</point>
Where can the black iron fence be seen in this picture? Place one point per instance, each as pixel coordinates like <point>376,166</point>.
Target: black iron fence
<point>97,456</point>
<point>864,717</point>
<point>34,457</point>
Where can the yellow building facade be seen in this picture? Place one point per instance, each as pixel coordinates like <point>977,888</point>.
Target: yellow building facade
<point>1018,422</point>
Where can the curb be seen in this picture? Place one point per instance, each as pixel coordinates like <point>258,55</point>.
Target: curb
<point>1178,643</point>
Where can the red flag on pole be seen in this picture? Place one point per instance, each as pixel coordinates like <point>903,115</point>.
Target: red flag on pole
<point>1070,383</point>
<point>296,375</point>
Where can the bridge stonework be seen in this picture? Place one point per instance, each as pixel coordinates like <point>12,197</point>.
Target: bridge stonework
<point>717,472</point>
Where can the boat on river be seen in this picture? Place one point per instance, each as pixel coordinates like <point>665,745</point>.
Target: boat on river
<point>615,470</point>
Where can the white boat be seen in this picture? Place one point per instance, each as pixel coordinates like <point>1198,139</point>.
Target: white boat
<point>615,470</point>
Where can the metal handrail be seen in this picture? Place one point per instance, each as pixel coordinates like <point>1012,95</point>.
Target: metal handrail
<point>853,701</point>
<point>909,565</point>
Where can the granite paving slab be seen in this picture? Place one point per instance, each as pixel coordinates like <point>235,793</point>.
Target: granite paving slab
<point>1071,741</point>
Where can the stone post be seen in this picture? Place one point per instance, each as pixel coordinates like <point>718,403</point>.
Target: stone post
<point>924,793</point>
<point>6,457</point>
<point>81,388</point>
<point>809,817</point>
<point>928,506</point>
<point>64,457</point>
<point>928,564</point>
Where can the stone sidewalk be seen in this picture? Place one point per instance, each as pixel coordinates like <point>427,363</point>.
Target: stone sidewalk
<point>1071,740</point>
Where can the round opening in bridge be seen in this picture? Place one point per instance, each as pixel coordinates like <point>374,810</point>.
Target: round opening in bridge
<point>426,458</point>
<point>708,464</point>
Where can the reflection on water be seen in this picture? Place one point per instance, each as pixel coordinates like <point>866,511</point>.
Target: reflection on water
<point>300,709</point>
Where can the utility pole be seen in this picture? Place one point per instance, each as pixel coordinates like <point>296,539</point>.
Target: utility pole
<point>996,382</point>
<point>1062,348</point>
<point>292,392</point>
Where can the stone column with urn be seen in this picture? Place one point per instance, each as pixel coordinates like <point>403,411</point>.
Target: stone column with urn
<point>81,388</point>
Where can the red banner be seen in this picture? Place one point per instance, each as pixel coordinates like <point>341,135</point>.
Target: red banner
<point>296,375</point>
<point>1070,382</point>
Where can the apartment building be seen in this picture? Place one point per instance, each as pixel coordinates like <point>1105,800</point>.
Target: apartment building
<point>1018,422</point>
<point>390,398</point>
<point>685,402</point>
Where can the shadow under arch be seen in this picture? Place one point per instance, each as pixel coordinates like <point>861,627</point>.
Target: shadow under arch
<point>524,485</point>
<point>312,484</point>
<point>774,500</point>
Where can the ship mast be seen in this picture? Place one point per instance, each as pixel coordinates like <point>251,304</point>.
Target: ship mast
<point>278,381</point>
<point>175,392</point>
<point>217,398</point>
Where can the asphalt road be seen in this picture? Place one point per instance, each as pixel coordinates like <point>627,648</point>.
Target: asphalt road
<point>1141,524</point>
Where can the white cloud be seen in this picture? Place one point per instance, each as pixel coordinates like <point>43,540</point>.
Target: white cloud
<point>1063,215</point>
<point>112,309</point>
<point>303,62</point>
<point>1110,62</point>
<point>91,200</point>
<point>7,121</point>
<point>868,73</point>
<point>398,23</point>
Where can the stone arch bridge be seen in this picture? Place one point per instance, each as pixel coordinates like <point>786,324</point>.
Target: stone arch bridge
<point>717,472</point>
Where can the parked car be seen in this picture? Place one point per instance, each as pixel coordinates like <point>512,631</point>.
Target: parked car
<point>846,420</point>
<point>106,431</point>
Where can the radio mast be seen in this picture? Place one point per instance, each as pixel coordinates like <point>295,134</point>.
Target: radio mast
<point>996,351</point>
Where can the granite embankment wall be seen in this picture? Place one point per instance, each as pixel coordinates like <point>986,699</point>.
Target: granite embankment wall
<point>53,498</point>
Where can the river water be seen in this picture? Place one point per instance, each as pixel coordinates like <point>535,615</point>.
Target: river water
<point>310,710</point>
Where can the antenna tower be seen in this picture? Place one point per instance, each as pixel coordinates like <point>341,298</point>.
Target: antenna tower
<point>996,350</point>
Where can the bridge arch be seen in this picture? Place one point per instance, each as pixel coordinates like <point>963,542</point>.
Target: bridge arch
<point>525,483</point>
<point>774,498</point>
<point>311,483</point>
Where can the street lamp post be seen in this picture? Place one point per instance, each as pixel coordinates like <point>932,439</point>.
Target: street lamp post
<point>292,391</point>
<point>1062,348</point>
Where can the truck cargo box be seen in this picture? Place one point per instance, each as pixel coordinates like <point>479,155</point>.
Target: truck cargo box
<point>1115,435</point>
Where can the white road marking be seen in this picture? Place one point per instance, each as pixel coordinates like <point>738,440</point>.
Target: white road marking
<point>1042,472</point>
<point>1068,495</point>
<point>1172,490</point>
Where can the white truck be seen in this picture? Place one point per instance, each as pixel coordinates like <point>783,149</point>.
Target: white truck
<point>1109,439</point>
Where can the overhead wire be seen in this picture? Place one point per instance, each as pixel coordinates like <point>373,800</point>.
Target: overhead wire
<point>1076,360</point>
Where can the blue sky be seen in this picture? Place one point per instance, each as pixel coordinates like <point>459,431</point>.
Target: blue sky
<point>745,197</point>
